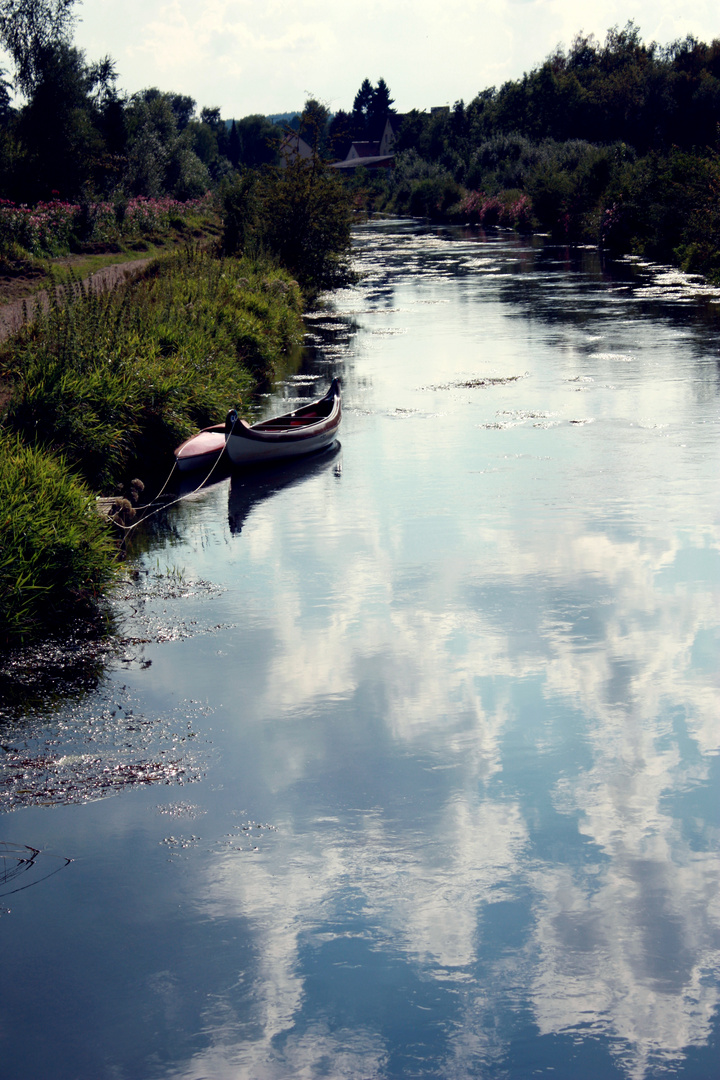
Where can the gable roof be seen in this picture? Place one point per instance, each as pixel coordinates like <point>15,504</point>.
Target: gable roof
<point>294,146</point>
<point>363,149</point>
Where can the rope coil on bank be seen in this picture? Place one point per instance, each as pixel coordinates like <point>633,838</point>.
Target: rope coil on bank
<point>233,416</point>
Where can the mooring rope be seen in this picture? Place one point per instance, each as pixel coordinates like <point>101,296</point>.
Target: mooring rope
<point>173,502</point>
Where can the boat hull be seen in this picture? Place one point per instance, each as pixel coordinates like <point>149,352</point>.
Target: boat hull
<point>202,450</point>
<point>246,451</point>
<point>305,431</point>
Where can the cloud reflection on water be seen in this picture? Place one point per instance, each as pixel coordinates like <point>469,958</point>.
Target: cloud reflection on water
<point>625,943</point>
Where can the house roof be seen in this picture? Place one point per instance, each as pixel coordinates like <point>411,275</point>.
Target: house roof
<point>365,149</point>
<point>375,161</point>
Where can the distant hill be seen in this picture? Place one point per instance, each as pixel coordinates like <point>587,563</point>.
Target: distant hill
<point>284,117</point>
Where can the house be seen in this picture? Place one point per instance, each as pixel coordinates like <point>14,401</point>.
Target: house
<point>390,132</point>
<point>373,155</point>
<point>293,147</point>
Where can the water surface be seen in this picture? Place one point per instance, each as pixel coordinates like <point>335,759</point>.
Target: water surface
<point>410,753</point>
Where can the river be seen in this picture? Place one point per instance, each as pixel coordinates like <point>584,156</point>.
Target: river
<point>407,762</point>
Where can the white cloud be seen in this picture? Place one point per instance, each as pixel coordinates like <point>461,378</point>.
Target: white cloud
<point>265,58</point>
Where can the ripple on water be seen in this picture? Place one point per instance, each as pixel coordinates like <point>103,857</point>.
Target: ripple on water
<point>22,866</point>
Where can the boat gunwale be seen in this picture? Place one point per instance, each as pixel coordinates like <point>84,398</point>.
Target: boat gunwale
<point>288,434</point>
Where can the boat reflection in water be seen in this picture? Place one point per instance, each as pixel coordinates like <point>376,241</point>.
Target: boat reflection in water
<point>252,486</point>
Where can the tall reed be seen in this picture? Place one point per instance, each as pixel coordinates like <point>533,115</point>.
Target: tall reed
<point>114,380</point>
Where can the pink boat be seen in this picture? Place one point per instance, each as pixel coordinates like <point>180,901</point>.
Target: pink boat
<point>202,450</point>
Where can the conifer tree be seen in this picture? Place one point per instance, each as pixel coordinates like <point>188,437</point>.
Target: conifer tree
<point>361,105</point>
<point>379,109</point>
<point>234,147</point>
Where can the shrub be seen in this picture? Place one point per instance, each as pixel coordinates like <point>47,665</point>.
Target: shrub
<point>510,208</point>
<point>299,215</point>
<point>434,197</point>
<point>53,228</point>
<point>502,161</point>
<point>238,200</point>
<point>305,218</point>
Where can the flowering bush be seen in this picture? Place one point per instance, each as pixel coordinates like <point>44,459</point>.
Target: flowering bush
<point>489,210</point>
<point>49,227</point>
<point>45,228</point>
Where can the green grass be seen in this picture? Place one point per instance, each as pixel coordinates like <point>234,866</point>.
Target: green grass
<point>56,554</point>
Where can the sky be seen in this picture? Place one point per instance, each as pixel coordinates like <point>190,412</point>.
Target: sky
<point>269,56</point>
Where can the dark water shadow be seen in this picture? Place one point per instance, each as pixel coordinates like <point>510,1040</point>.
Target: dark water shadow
<point>250,487</point>
<point>62,667</point>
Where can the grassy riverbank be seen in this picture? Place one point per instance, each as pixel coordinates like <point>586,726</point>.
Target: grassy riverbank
<point>104,385</point>
<point>56,553</point>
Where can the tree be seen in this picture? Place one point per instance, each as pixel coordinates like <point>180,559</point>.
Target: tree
<point>61,128</point>
<point>380,107</point>
<point>9,149</point>
<point>5,98</point>
<point>259,140</point>
<point>234,146</point>
<point>305,220</point>
<point>211,117</point>
<point>152,129</point>
<point>371,108</point>
<point>71,132</point>
<point>363,98</point>
<point>28,28</point>
<point>186,176</point>
<point>203,141</point>
<point>313,124</point>
<point>184,108</point>
<point>340,134</point>
<point>360,109</point>
<point>161,157</point>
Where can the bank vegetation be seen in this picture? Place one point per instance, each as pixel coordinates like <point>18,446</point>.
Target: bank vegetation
<point>104,385</point>
<point>615,143</point>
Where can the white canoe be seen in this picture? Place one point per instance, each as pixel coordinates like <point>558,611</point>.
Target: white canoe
<point>309,428</point>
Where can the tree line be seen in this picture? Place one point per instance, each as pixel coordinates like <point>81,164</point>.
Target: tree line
<point>614,142</point>
<point>76,135</point>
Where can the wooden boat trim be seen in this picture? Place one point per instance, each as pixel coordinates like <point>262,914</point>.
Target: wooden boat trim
<point>297,433</point>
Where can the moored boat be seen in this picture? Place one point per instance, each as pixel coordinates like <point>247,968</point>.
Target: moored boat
<point>201,450</point>
<point>311,427</point>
